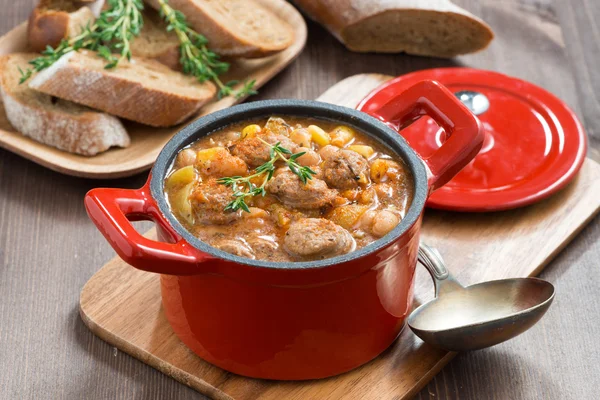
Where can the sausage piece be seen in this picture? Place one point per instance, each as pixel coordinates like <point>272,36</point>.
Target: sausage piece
<point>208,201</point>
<point>343,169</point>
<point>317,238</point>
<point>292,192</point>
<point>255,152</point>
<point>235,247</point>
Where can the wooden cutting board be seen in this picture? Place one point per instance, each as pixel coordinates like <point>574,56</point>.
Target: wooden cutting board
<point>146,141</point>
<point>122,305</point>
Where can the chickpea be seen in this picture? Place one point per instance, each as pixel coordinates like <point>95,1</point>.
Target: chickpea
<point>186,157</point>
<point>301,137</point>
<point>384,222</point>
<point>310,158</point>
<point>366,220</point>
<point>328,151</point>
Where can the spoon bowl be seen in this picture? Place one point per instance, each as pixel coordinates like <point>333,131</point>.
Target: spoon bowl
<point>478,316</point>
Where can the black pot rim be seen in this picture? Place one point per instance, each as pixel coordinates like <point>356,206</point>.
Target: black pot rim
<point>303,108</point>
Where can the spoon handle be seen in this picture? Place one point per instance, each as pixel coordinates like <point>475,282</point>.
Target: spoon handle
<point>431,259</point>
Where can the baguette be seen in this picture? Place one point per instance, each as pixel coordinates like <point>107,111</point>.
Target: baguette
<point>435,28</point>
<point>238,28</point>
<point>54,20</point>
<point>156,42</point>
<point>58,123</point>
<point>144,91</point>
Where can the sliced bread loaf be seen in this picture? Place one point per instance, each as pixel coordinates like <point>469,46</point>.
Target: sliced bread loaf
<point>238,28</point>
<point>156,42</point>
<point>144,91</point>
<point>435,28</point>
<point>53,20</point>
<point>55,122</point>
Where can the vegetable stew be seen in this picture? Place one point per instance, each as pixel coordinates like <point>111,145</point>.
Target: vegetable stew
<point>288,189</point>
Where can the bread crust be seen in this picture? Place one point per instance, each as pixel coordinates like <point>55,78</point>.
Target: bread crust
<point>163,98</point>
<point>343,17</point>
<point>47,27</point>
<point>223,38</point>
<point>60,124</point>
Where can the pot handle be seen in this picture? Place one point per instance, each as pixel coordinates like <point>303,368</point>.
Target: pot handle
<point>464,130</point>
<point>113,209</point>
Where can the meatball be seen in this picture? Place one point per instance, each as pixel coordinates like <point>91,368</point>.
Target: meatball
<point>235,247</point>
<point>317,238</point>
<point>208,201</point>
<point>343,169</point>
<point>255,152</point>
<point>292,192</point>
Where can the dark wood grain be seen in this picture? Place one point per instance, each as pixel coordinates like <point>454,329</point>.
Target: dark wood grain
<point>49,249</point>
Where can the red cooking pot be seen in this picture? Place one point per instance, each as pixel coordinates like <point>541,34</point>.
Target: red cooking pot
<point>295,320</point>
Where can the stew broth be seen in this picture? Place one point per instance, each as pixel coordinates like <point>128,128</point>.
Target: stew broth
<point>242,189</point>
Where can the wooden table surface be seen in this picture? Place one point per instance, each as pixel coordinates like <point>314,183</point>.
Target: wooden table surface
<point>49,248</point>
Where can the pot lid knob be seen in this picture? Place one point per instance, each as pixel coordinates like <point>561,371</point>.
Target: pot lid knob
<point>477,102</point>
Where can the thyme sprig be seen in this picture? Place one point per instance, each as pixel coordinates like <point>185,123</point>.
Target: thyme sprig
<point>244,186</point>
<point>195,57</point>
<point>113,31</point>
<point>116,27</point>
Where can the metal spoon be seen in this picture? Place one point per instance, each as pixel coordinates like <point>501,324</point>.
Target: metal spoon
<point>482,315</point>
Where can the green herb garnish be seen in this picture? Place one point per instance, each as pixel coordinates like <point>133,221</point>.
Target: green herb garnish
<point>113,31</point>
<point>243,186</point>
<point>196,59</point>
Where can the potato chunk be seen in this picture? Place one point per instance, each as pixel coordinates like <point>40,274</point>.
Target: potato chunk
<point>180,202</point>
<point>347,216</point>
<point>181,177</point>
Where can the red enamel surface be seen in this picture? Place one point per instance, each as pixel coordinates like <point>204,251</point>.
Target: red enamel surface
<point>294,332</point>
<point>288,323</point>
<point>534,144</point>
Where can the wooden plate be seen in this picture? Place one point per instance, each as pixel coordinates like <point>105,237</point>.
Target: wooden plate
<point>146,142</point>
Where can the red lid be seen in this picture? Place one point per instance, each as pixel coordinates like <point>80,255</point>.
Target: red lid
<point>534,143</point>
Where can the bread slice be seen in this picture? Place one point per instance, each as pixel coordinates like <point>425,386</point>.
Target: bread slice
<point>238,28</point>
<point>144,91</point>
<point>55,122</point>
<point>53,20</point>
<point>155,42</point>
<point>435,28</point>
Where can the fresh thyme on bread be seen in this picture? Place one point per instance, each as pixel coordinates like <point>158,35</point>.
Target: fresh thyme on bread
<point>110,57</point>
<point>235,28</point>
<point>140,90</point>
<point>55,122</point>
<point>111,32</point>
<point>121,22</point>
